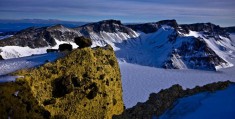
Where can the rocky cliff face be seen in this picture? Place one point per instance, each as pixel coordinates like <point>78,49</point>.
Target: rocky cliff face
<point>84,84</point>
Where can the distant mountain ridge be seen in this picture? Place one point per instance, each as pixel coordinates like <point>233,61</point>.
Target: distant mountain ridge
<point>164,44</point>
<point>9,25</point>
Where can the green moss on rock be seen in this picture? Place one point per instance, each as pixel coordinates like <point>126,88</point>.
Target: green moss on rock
<point>71,87</point>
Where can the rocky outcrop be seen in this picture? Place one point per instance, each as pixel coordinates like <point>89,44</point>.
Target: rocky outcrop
<point>110,26</point>
<point>84,84</point>
<point>153,27</point>
<point>158,103</point>
<point>230,29</point>
<point>1,58</point>
<point>106,25</point>
<point>196,55</point>
<point>40,37</point>
<point>208,29</point>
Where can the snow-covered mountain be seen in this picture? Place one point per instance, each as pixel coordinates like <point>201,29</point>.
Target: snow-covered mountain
<point>160,44</point>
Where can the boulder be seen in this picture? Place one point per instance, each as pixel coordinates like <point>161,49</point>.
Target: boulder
<point>65,47</point>
<point>83,42</point>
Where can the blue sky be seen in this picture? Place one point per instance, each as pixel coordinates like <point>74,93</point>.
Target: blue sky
<point>221,12</point>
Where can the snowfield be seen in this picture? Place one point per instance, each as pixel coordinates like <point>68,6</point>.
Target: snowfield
<point>139,81</point>
<point>9,52</point>
<point>11,65</point>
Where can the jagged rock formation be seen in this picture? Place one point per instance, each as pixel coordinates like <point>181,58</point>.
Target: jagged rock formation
<point>197,56</point>
<point>153,27</point>
<point>158,103</point>
<point>208,29</point>
<point>110,26</point>
<point>84,84</point>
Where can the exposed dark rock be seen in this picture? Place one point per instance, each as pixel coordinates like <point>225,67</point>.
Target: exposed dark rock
<point>28,37</point>
<point>111,26</point>
<point>49,101</point>
<point>93,91</point>
<point>209,29</point>
<point>146,27</point>
<point>1,58</point>
<point>40,37</point>
<point>52,50</point>
<point>158,103</point>
<point>201,56</point>
<point>65,47</point>
<point>83,42</point>
<point>62,86</point>
<point>153,27</point>
<point>171,23</point>
<point>230,29</point>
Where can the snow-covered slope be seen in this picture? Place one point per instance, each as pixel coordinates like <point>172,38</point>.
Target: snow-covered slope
<point>169,48</point>
<point>139,81</point>
<point>107,32</point>
<point>9,52</point>
<point>163,44</point>
<point>11,65</point>
<point>206,105</point>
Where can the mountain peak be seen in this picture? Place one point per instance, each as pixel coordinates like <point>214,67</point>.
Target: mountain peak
<point>110,26</point>
<point>110,21</point>
<point>153,26</point>
<point>205,27</point>
<point>171,23</point>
